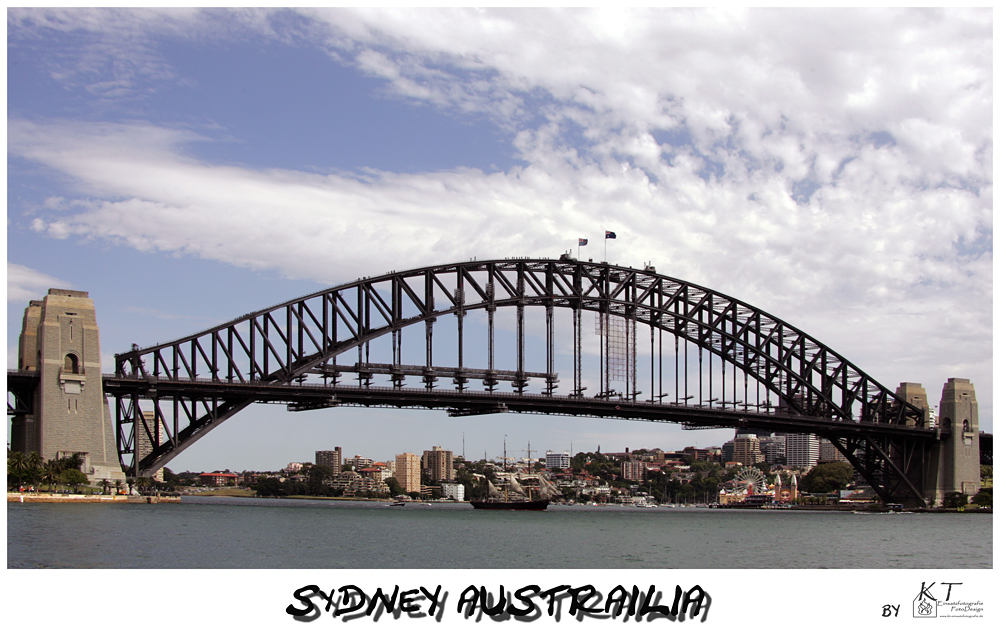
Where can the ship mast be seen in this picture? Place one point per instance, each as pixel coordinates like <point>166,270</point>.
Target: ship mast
<point>506,490</point>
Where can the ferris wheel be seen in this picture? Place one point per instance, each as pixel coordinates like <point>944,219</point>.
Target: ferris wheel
<point>750,480</point>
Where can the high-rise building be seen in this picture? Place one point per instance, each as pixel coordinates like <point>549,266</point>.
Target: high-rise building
<point>727,451</point>
<point>801,450</point>
<point>773,448</point>
<point>439,463</point>
<point>556,460</point>
<point>408,472</point>
<point>746,449</point>
<point>828,452</point>
<point>634,471</point>
<point>330,459</point>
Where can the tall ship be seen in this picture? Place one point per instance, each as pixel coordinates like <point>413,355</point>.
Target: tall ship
<point>513,496</point>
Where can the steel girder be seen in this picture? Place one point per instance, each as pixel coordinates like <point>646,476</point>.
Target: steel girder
<point>22,386</point>
<point>283,344</point>
<point>897,467</point>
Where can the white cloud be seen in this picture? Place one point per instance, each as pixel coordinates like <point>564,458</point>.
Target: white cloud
<point>825,164</point>
<point>26,284</point>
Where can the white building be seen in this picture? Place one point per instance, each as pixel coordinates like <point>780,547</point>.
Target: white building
<point>801,450</point>
<point>453,491</point>
<point>556,460</point>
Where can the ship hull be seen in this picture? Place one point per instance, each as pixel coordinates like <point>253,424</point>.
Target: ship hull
<point>539,504</point>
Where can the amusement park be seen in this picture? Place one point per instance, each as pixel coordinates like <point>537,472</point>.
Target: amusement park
<point>749,488</point>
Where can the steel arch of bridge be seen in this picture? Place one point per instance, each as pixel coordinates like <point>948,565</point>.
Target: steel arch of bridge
<point>197,382</point>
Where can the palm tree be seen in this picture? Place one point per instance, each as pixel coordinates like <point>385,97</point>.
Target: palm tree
<point>53,468</point>
<point>105,484</point>
<point>33,461</point>
<point>73,461</point>
<point>16,463</point>
<point>118,485</point>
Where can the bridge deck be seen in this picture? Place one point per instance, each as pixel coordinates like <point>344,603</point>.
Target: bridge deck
<point>311,396</point>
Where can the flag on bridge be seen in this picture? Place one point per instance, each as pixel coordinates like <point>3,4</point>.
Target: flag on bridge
<point>610,235</point>
<point>583,242</point>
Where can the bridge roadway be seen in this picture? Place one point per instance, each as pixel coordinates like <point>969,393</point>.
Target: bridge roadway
<point>307,396</point>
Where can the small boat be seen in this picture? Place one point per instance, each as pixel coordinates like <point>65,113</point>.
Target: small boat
<point>396,504</point>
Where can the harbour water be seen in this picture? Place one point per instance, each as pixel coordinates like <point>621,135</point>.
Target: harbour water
<point>246,533</point>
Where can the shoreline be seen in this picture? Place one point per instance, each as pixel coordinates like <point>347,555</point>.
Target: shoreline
<point>797,508</point>
<point>19,497</point>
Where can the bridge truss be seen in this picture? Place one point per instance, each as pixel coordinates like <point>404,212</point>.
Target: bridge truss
<point>503,324</point>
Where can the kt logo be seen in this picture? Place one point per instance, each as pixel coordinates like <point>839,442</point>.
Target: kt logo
<point>925,605</point>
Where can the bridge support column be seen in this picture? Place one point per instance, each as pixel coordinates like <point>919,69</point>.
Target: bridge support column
<point>915,394</point>
<point>60,340</point>
<point>956,457</point>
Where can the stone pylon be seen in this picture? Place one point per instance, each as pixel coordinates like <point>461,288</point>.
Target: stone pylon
<point>915,394</point>
<point>957,463</point>
<point>60,340</point>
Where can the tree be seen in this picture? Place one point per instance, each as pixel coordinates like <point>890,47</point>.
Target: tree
<point>317,478</point>
<point>73,461</point>
<point>33,463</point>
<point>984,498</point>
<point>828,477</point>
<point>270,487</point>
<point>143,484</point>
<point>956,500</point>
<point>394,487</point>
<point>52,470</point>
<point>16,464</point>
<point>73,477</point>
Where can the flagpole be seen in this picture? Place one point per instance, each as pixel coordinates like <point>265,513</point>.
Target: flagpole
<point>607,235</point>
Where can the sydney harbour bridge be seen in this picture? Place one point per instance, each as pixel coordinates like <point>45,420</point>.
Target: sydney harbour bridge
<point>543,336</point>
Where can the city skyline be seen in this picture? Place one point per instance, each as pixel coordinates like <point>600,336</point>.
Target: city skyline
<point>188,166</point>
<point>538,456</point>
<point>752,445</point>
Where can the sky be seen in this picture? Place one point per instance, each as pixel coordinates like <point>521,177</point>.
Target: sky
<point>831,167</point>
